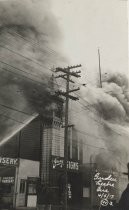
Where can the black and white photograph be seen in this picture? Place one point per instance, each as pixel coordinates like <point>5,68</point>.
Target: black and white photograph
<point>64,105</point>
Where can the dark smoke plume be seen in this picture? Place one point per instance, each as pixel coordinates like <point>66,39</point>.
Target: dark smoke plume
<point>29,39</point>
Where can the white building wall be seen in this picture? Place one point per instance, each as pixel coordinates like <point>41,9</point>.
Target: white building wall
<point>27,168</point>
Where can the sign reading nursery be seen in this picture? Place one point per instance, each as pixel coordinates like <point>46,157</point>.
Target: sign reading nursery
<point>105,186</point>
<point>8,161</point>
<point>58,163</point>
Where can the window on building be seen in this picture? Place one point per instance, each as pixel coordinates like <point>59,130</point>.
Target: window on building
<point>22,185</point>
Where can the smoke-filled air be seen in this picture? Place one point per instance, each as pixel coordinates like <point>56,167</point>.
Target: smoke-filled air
<point>105,117</point>
<point>29,40</point>
<point>29,48</point>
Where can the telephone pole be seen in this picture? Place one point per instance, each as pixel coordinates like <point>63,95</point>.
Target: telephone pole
<point>67,76</point>
<point>100,74</point>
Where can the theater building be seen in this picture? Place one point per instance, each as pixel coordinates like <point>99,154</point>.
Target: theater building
<point>32,166</point>
<point>52,165</point>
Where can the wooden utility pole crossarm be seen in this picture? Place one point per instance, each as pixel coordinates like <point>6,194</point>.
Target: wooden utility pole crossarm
<point>67,94</point>
<point>63,76</point>
<point>66,76</point>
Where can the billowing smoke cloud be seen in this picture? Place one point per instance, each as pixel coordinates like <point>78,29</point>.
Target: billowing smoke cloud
<point>116,85</point>
<point>115,112</point>
<point>112,100</point>
<point>109,108</point>
<point>28,49</point>
<point>114,109</point>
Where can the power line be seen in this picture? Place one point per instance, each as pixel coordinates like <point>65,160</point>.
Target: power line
<point>100,122</point>
<point>85,86</point>
<point>26,56</point>
<point>17,110</point>
<point>34,44</point>
<point>84,133</point>
<point>29,73</point>
<point>23,56</point>
<point>14,109</point>
<point>92,105</point>
<point>45,86</point>
<point>30,40</point>
<point>19,69</point>
<point>30,59</point>
<point>32,80</point>
<point>10,118</point>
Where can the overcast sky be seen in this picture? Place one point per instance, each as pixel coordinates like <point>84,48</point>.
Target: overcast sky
<point>89,24</point>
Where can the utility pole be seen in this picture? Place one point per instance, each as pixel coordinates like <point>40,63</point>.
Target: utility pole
<point>67,74</point>
<point>100,74</point>
<point>17,170</point>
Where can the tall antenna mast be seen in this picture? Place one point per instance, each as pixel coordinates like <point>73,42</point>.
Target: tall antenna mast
<point>100,74</point>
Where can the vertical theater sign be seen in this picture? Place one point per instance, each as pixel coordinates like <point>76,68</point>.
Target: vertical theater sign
<point>73,171</point>
<point>105,188</point>
<point>7,181</point>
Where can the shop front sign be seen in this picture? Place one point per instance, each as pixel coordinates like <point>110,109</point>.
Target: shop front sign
<point>58,163</point>
<point>7,180</point>
<point>8,161</point>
